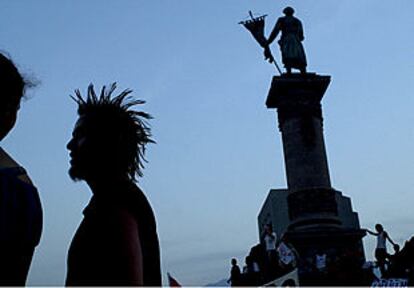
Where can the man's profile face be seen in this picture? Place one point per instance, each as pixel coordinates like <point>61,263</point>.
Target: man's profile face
<point>82,149</point>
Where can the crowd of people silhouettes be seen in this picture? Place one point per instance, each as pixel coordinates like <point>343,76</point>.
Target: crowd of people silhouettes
<point>268,260</point>
<point>275,257</point>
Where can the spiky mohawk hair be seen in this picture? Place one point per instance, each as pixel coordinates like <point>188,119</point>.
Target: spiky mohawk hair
<point>130,124</point>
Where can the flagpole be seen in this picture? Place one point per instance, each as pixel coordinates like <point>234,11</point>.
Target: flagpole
<point>277,66</point>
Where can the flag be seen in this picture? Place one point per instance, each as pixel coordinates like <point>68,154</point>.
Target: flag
<point>256,28</point>
<point>255,25</point>
<point>172,282</point>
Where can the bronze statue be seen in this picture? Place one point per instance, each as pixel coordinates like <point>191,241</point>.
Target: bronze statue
<point>293,54</point>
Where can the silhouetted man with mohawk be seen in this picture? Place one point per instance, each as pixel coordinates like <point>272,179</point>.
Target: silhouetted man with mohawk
<point>116,244</point>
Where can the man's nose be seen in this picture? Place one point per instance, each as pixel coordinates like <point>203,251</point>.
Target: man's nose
<point>69,146</point>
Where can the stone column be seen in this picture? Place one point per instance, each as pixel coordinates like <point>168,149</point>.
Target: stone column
<point>300,121</point>
<point>297,99</point>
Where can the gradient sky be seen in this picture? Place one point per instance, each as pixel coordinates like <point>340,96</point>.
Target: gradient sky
<point>218,150</point>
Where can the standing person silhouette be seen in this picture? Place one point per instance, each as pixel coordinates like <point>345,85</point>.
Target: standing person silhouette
<point>293,54</point>
<point>381,249</point>
<point>234,273</point>
<point>270,240</point>
<point>20,207</point>
<point>116,244</point>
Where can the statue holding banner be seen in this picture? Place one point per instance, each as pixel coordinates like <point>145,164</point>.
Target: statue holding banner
<point>256,27</point>
<point>293,54</point>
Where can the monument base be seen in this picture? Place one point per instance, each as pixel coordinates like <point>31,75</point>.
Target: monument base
<point>341,242</point>
<point>341,252</point>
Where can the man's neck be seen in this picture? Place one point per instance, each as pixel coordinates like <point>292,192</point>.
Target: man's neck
<point>103,184</point>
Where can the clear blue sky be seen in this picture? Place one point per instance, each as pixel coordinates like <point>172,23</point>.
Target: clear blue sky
<point>219,151</point>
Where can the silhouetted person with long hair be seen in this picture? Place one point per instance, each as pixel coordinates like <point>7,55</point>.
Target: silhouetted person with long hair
<point>20,208</point>
<point>116,244</point>
<point>381,249</point>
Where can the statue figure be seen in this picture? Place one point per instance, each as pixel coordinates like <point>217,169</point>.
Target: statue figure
<point>293,54</point>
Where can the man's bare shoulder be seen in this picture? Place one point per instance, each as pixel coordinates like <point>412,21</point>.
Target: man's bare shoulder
<point>121,219</point>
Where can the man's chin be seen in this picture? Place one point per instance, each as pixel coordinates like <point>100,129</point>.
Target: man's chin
<point>75,174</point>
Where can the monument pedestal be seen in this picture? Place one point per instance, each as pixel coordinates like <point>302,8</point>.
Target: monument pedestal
<point>344,256</point>
<point>319,219</point>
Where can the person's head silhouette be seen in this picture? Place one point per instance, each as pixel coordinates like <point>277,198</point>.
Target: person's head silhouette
<point>288,11</point>
<point>269,228</point>
<point>109,138</point>
<point>11,92</point>
<point>379,228</point>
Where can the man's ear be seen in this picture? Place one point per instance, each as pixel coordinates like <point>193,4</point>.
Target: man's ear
<point>118,140</point>
<point>118,144</point>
